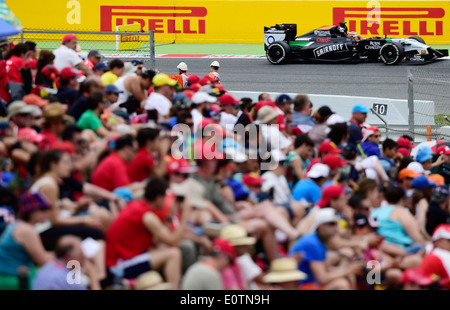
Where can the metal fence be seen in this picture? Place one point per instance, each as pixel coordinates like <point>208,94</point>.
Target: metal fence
<point>426,122</point>
<point>126,45</point>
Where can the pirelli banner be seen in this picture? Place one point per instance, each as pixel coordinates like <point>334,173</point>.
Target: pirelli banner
<point>238,21</point>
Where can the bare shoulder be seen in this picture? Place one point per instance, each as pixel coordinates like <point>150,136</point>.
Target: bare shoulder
<point>131,78</point>
<point>150,219</point>
<point>23,232</point>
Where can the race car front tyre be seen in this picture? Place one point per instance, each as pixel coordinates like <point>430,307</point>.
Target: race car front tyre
<point>392,53</point>
<point>277,52</point>
<point>418,39</point>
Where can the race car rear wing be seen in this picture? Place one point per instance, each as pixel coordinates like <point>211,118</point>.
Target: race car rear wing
<point>283,32</point>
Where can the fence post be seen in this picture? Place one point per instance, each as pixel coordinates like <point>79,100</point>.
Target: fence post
<point>152,50</point>
<point>411,103</point>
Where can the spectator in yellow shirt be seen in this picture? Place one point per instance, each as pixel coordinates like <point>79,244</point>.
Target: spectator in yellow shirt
<point>116,68</point>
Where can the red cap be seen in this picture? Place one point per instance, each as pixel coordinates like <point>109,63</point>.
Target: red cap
<point>330,192</point>
<point>227,99</point>
<point>443,149</point>
<point>203,81</point>
<point>68,72</point>
<point>193,79</point>
<point>33,99</point>
<point>312,163</point>
<point>195,87</point>
<point>189,93</point>
<point>208,78</point>
<point>68,37</point>
<point>30,134</point>
<point>220,87</point>
<point>206,151</point>
<point>181,165</point>
<point>252,179</point>
<point>329,147</point>
<point>260,104</point>
<point>205,122</point>
<point>225,247</point>
<point>442,231</point>
<point>64,146</point>
<point>416,276</point>
<point>334,161</point>
<point>368,131</point>
<point>404,142</point>
<point>403,151</point>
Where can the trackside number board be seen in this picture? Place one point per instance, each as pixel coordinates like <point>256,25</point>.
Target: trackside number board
<point>380,108</point>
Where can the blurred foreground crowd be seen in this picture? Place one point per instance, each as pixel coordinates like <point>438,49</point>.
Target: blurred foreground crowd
<point>118,177</point>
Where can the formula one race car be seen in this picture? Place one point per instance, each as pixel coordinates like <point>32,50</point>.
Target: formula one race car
<point>336,44</point>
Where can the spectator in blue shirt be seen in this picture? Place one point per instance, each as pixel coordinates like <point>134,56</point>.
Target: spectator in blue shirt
<point>389,157</point>
<point>311,250</point>
<point>62,273</point>
<point>371,141</point>
<point>302,115</point>
<point>359,115</point>
<point>309,189</point>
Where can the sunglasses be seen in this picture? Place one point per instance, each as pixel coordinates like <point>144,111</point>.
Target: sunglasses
<point>331,223</point>
<point>37,117</point>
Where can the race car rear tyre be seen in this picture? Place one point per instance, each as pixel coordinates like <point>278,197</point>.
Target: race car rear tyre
<point>392,53</point>
<point>278,52</point>
<point>418,39</point>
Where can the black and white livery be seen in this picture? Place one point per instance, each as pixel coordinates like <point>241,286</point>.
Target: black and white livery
<point>336,44</point>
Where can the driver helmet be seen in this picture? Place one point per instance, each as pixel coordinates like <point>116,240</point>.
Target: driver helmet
<point>353,34</point>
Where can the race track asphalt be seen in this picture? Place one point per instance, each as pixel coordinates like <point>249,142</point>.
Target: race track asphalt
<point>364,79</point>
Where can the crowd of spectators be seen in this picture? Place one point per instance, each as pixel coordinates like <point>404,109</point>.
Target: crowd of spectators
<point>114,176</point>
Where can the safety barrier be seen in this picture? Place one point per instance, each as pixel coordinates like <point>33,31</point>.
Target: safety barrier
<point>390,115</point>
<point>233,21</point>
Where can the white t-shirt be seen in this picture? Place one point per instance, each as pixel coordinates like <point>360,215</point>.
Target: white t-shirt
<point>65,57</point>
<point>274,137</point>
<point>228,121</point>
<point>196,119</point>
<point>123,97</point>
<point>159,103</point>
<point>281,192</point>
<point>250,270</point>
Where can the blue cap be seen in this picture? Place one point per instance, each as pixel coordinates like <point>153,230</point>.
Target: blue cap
<point>124,193</point>
<point>282,99</point>
<point>101,66</point>
<point>360,108</point>
<point>421,182</point>
<point>111,88</point>
<point>136,62</point>
<point>424,153</point>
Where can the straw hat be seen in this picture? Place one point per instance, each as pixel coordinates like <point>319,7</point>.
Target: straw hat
<point>236,235</point>
<point>192,189</point>
<point>266,113</point>
<point>151,280</point>
<point>284,270</point>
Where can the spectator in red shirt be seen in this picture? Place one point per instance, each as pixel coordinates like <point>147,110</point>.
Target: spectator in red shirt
<point>111,172</point>
<point>17,62</point>
<point>283,103</point>
<point>92,59</point>
<point>55,121</point>
<point>437,262</point>
<point>131,239</point>
<point>150,158</point>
